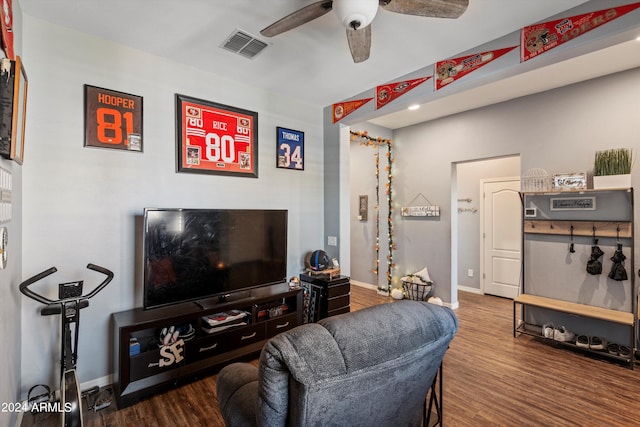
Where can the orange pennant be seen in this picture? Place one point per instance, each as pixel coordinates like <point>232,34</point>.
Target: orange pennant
<point>343,109</point>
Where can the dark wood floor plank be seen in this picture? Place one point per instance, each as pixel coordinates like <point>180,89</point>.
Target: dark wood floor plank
<point>490,379</point>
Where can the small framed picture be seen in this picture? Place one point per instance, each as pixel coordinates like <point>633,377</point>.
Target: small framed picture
<point>363,209</point>
<point>569,181</point>
<point>112,119</point>
<point>290,149</point>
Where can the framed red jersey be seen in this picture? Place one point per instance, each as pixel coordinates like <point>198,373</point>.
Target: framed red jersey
<point>216,139</point>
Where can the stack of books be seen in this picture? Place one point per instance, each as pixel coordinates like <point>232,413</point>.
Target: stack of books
<point>224,320</point>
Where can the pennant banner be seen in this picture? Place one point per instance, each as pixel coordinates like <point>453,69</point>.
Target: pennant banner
<point>450,70</point>
<point>540,38</point>
<point>387,93</point>
<point>6,24</point>
<point>343,109</point>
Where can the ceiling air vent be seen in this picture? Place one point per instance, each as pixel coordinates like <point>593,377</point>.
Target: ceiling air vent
<point>244,44</point>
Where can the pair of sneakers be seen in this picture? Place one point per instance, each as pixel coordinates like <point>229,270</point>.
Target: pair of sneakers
<point>557,334</point>
<point>593,343</point>
<point>619,350</point>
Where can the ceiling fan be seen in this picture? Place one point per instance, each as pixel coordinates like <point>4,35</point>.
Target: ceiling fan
<point>356,15</point>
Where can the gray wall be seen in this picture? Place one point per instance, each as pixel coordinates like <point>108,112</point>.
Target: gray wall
<point>80,203</point>
<point>10,277</point>
<point>558,130</point>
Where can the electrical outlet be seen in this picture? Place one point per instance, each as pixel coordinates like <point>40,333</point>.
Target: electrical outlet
<point>332,241</point>
<point>470,272</point>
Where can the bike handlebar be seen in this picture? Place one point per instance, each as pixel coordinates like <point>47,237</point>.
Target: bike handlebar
<point>24,286</point>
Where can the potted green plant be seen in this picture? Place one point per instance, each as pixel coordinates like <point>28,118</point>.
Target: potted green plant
<point>612,168</point>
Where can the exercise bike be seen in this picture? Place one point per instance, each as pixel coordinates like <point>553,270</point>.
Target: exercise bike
<point>68,305</point>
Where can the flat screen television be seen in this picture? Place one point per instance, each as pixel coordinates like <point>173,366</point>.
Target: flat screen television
<point>192,254</point>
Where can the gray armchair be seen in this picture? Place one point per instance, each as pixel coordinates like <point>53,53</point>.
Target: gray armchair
<point>372,367</point>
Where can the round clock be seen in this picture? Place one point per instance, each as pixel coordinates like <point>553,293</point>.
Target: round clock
<point>4,237</point>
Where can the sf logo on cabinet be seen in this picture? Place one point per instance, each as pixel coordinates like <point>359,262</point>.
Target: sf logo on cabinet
<point>170,354</point>
<point>112,119</point>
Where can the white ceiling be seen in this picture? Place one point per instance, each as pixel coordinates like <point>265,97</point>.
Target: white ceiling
<point>311,63</point>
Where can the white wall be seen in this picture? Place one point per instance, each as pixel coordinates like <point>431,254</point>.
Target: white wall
<point>80,203</point>
<point>557,130</point>
<point>10,277</point>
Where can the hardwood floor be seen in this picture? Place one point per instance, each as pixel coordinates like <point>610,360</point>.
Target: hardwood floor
<point>490,379</point>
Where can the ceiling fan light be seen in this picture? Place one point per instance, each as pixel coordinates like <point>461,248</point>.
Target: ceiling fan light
<point>355,14</point>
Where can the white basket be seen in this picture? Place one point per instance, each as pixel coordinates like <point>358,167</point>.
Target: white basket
<point>536,180</point>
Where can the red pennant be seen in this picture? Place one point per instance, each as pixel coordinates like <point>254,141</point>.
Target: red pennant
<point>387,93</point>
<point>6,24</point>
<point>450,70</point>
<point>343,109</point>
<point>540,38</point>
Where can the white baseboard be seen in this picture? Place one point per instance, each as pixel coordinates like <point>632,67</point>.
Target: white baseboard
<point>364,285</point>
<point>470,290</point>
<point>100,382</point>
<point>370,286</point>
<point>452,306</point>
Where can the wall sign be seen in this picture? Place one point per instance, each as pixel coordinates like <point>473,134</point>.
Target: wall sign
<point>112,119</point>
<point>216,139</point>
<point>290,149</point>
<point>572,203</point>
<point>569,181</point>
<point>424,210</point>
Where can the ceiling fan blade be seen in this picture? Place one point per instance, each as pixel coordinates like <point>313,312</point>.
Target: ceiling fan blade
<point>297,18</point>
<point>359,43</point>
<point>428,8</point>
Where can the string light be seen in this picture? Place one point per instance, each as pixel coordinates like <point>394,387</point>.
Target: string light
<point>364,139</point>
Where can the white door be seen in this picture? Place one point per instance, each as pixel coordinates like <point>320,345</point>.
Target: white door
<point>501,237</point>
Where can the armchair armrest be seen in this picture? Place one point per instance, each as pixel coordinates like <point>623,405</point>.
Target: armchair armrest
<point>237,388</point>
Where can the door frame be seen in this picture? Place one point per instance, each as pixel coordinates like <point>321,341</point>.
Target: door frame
<point>482,215</point>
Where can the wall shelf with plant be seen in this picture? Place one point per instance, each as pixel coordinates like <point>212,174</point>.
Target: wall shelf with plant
<point>612,168</point>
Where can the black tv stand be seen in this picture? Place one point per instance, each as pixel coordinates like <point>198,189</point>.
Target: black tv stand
<point>223,298</point>
<point>143,368</point>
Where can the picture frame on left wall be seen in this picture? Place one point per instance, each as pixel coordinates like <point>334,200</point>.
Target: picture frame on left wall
<point>112,119</point>
<point>13,108</point>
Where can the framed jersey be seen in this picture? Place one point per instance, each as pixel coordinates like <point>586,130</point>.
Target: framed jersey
<point>216,139</point>
<point>112,119</point>
<point>290,149</point>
